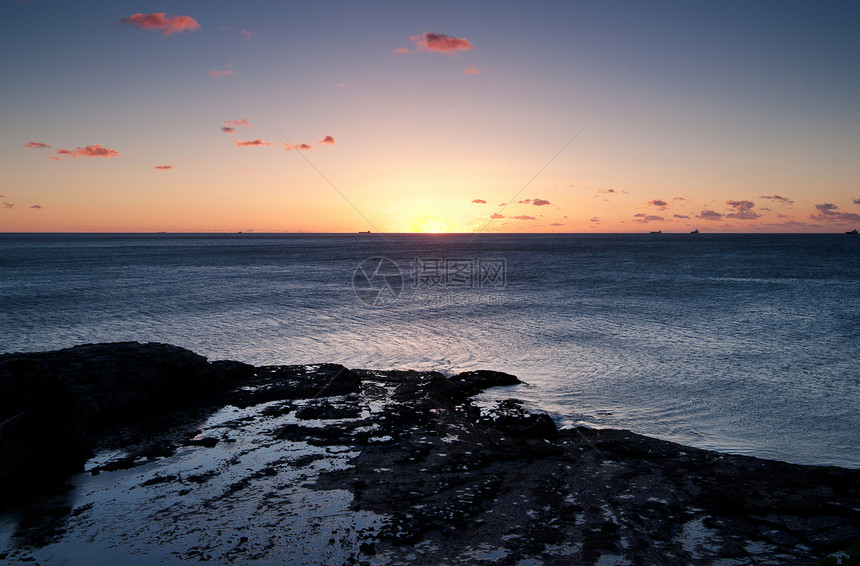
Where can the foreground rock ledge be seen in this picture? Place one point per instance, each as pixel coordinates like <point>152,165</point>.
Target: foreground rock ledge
<point>453,484</point>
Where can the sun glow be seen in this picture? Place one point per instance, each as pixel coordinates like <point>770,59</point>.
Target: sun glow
<point>432,226</point>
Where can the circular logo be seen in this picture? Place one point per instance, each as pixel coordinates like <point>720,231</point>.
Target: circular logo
<point>377,281</point>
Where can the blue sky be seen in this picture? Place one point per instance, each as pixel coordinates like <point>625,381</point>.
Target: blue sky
<point>694,104</point>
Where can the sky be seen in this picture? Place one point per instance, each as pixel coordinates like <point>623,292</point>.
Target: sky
<point>613,116</point>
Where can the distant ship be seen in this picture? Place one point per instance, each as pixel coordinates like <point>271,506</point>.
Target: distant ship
<point>658,232</point>
<point>365,232</point>
<point>852,232</point>
<point>696,231</point>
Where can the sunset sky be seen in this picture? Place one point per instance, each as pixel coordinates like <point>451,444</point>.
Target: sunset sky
<point>446,116</point>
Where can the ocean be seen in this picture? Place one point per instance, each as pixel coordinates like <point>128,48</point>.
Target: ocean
<point>747,344</point>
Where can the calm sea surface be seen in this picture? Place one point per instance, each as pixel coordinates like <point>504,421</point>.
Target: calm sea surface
<point>741,343</point>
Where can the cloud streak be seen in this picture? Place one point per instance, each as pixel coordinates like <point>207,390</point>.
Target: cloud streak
<point>88,151</point>
<point>36,145</point>
<point>829,212</point>
<point>479,201</point>
<point>439,43</point>
<point>778,198</point>
<point>250,143</point>
<point>164,167</point>
<point>168,25</point>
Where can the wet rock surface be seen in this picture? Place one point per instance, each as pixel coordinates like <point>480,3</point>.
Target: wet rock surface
<point>322,464</point>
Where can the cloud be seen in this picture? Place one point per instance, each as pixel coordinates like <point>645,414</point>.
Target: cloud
<point>535,202</point>
<point>303,146</point>
<point>740,204</point>
<point>88,151</point>
<point>503,204</point>
<point>246,33</point>
<point>744,214</point>
<point>401,51</point>
<point>164,167</point>
<point>681,199</point>
<point>496,216</point>
<point>710,215</point>
<point>470,70</point>
<point>168,25</point>
<point>595,219</point>
<point>241,122</point>
<point>38,206</point>
<point>228,130</point>
<point>8,205</point>
<point>439,42</point>
<point>680,216</point>
<point>223,72</point>
<point>479,201</point>
<point>250,143</point>
<point>645,218</point>
<point>327,140</point>
<point>660,204</point>
<point>829,212</point>
<point>523,217</point>
<point>36,145</point>
<point>557,224</point>
<point>743,210</point>
<point>778,198</point>
<point>857,201</point>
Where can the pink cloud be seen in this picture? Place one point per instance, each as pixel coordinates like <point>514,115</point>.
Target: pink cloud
<point>327,140</point>
<point>401,51</point>
<point>740,204</point>
<point>164,167</point>
<point>479,201</point>
<point>681,198</point>
<point>744,214</point>
<point>710,215</point>
<point>168,25</point>
<point>743,210</point>
<point>829,212</point>
<point>680,216</point>
<point>595,219</point>
<point>496,216</point>
<point>535,202</point>
<point>88,151</point>
<point>470,70</point>
<point>241,122</point>
<point>250,143</point>
<point>228,130</point>
<point>523,217</point>
<point>223,72</point>
<point>431,41</point>
<point>302,146</point>
<point>645,218</point>
<point>37,206</point>
<point>246,33</point>
<point>778,198</point>
<point>661,204</point>
<point>8,205</point>
<point>36,145</point>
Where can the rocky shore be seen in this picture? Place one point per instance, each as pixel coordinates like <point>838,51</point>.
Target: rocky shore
<point>148,453</point>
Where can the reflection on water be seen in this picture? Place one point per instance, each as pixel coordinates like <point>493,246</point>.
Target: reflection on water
<point>741,343</point>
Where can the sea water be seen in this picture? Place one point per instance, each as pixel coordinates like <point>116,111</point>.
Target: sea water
<point>741,343</point>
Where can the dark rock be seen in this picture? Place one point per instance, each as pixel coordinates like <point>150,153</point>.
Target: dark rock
<point>474,382</point>
<point>510,417</point>
<point>65,399</point>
